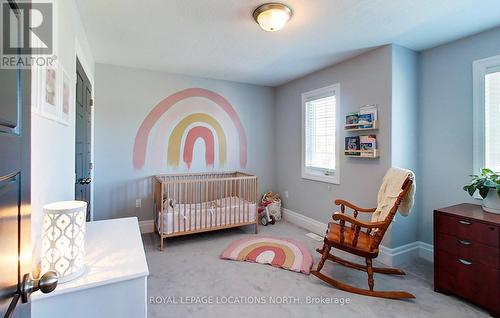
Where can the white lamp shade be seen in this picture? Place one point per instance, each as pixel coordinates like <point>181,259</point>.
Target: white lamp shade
<point>63,239</point>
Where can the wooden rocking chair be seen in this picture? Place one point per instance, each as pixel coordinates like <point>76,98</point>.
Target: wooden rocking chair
<point>361,243</point>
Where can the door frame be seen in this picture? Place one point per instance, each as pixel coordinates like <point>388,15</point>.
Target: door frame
<point>80,55</point>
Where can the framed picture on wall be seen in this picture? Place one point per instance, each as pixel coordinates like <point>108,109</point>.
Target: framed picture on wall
<point>36,89</point>
<point>66,97</point>
<point>50,106</point>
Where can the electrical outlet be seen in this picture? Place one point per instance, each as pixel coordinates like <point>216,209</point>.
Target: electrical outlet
<point>138,203</point>
<point>329,187</point>
<point>286,194</point>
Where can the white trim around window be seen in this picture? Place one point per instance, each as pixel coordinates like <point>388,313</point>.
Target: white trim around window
<point>316,174</point>
<point>480,69</point>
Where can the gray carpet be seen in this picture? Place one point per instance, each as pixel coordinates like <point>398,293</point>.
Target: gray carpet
<point>190,267</point>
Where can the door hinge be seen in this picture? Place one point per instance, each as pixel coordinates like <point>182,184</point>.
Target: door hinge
<point>91,165</point>
<point>91,102</point>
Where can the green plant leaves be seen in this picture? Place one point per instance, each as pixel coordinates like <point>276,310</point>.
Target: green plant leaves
<point>490,184</point>
<point>486,171</point>
<point>484,182</point>
<point>483,192</point>
<point>470,189</point>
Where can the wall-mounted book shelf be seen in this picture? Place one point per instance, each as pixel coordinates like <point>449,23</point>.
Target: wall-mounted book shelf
<point>358,145</point>
<point>370,154</point>
<point>361,127</point>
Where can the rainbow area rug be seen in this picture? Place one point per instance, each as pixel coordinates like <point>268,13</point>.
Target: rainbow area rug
<point>279,252</point>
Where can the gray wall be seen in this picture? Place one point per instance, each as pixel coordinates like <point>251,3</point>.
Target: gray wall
<point>404,134</point>
<point>125,96</point>
<point>445,122</point>
<point>365,79</point>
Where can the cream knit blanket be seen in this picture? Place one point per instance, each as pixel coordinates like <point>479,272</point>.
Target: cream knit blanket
<point>389,192</point>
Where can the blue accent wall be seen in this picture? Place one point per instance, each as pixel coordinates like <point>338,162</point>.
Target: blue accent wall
<point>445,123</point>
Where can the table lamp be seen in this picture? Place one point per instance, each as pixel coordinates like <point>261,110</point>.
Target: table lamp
<point>63,239</point>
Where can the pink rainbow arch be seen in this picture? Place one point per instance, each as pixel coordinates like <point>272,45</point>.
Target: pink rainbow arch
<point>193,134</point>
<point>141,138</point>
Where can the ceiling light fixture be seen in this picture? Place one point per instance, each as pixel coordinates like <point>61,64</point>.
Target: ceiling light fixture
<point>272,16</point>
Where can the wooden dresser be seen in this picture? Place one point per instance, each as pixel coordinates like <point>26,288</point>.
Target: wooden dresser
<point>466,255</point>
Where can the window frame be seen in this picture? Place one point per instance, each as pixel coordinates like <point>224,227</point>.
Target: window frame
<point>480,69</point>
<point>319,174</point>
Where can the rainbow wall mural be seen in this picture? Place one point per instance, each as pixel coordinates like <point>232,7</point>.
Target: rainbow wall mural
<point>171,130</point>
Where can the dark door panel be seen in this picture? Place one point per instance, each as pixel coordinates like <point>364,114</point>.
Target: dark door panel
<point>83,137</point>
<point>9,242</point>
<point>8,93</point>
<point>15,216</point>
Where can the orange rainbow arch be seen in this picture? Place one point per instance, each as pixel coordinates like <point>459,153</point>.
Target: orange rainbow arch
<point>174,142</point>
<point>141,138</point>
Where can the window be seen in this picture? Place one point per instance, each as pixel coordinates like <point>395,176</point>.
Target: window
<point>320,160</point>
<point>487,114</point>
<point>492,121</point>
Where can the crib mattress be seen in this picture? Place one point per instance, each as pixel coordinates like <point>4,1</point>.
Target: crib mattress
<point>220,212</point>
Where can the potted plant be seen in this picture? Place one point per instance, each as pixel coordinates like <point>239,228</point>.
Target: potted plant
<point>488,185</point>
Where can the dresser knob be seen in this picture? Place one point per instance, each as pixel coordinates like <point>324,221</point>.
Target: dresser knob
<point>464,242</point>
<point>464,262</point>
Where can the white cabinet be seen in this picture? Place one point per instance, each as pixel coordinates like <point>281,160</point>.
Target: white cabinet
<point>115,281</point>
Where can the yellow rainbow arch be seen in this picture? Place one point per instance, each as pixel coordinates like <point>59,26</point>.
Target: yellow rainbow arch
<point>174,141</point>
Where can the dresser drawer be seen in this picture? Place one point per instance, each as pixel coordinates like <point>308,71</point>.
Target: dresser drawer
<point>470,280</point>
<point>473,251</point>
<point>467,229</point>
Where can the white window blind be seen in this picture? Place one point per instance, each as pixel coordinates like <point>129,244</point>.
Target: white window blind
<point>320,119</point>
<point>492,121</point>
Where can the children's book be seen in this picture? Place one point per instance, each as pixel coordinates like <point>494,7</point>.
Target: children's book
<point>352,143</point>
<point>369,109</point>
<point>351,118</point>
<point>368,142</point>
<point>365,119</point>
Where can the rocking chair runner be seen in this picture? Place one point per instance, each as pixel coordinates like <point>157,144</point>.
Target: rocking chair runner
<point>361,243</point>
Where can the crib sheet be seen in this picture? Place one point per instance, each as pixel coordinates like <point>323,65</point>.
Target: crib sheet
<point>220,212</point>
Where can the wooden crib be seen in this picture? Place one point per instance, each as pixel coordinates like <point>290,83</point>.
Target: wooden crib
<point>201,202</point>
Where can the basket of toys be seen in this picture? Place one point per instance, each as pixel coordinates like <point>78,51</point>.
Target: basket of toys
<point>275,206</point>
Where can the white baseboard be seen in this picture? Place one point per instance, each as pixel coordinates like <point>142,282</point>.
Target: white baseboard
<point>389,256</point>
<point>305,222</point>
<point>146,226</point>
<point>398,255</point>
<point>426,251</point>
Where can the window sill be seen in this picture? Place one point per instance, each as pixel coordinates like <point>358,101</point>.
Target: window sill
<point>333,179</point>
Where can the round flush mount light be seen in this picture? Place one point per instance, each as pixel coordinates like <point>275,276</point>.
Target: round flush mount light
<point>272,16</point>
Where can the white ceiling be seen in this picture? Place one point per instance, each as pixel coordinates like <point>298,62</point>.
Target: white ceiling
<point>219,39</point>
